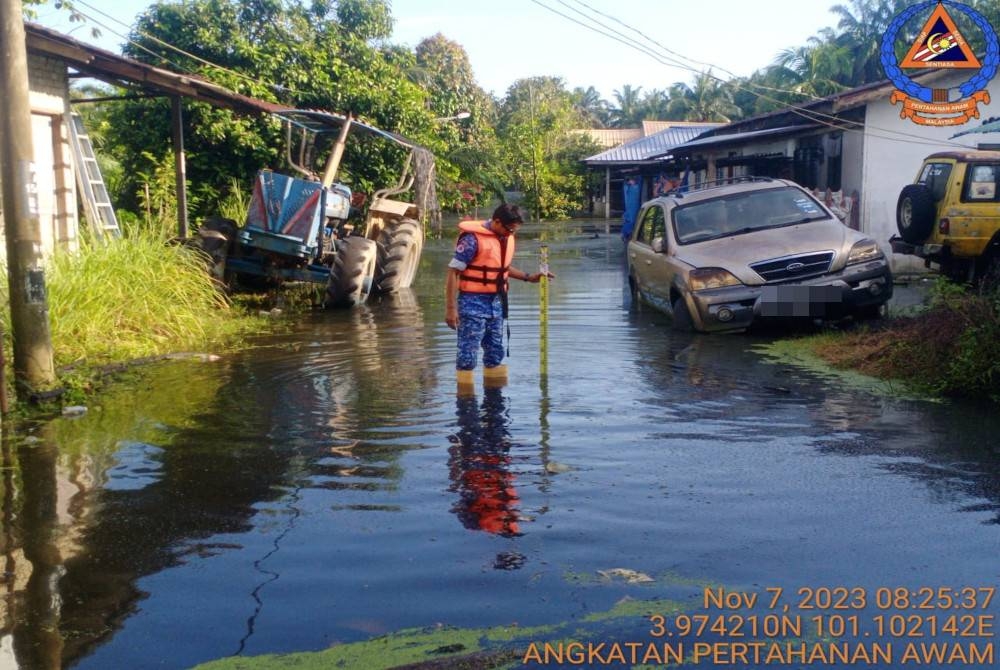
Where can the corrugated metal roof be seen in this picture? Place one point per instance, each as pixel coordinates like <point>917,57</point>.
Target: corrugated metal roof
<point>611,137</point>
<point>646,148</point>
<point>740,137</point>
<point>115,69</point>
<point>652,127</point>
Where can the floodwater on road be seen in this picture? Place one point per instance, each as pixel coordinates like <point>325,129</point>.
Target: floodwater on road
<point>629,491</point>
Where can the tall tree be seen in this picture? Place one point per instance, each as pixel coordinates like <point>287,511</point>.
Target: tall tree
<point>468,156</point>
<point>628,113</point>
<point>860,27</point>
<point>655,105</point>
<point>594,110</point>
<point>990,10</point>
<point>366,19</point>
<point>707,99</point>
<point>444,69</point>
<point>541,156</point>
<point>312,56</point>
<point>766,90</point>
<point>820,68</point>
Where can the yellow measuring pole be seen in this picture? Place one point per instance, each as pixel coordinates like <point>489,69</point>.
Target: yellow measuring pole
<point>543,358</point>
<point>543,310</point>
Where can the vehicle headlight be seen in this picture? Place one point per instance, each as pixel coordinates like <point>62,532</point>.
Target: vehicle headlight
<point>705,278</point>
<point>863,251</point>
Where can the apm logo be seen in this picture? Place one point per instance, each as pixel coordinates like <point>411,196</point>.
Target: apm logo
<point>941,45</point>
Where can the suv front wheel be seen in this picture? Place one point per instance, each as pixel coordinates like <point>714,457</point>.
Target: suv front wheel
<point>915,211</point>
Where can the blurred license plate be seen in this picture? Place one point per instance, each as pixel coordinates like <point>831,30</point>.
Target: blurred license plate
<point>811,301</point>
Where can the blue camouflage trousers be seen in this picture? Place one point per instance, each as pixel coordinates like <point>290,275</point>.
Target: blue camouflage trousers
<point>480,324</point>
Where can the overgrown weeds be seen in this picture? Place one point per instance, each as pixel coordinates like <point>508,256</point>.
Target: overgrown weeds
<point>951,349</point>
<point>132,298</point>
<point>236,203</point>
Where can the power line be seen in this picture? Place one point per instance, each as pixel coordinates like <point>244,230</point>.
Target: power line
<point>710,66</point>
<point>829,120</point>
<point>171,47</point>
<point>624,39</point>
<point>98,23</point>
<point>675,63</point>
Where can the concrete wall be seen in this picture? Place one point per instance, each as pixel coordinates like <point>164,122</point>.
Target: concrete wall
<point>48,96</point>
<point>851,162</point>
<point>893,151</point>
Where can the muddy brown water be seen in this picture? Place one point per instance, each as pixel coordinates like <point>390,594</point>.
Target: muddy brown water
<point>326,486</point>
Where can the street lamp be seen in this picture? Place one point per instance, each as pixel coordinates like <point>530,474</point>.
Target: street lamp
<point>457,117</point>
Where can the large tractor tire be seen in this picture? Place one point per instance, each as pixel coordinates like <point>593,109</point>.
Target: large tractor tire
<point>399,248</point>
<point>353,272</point>
<point>915,212</point>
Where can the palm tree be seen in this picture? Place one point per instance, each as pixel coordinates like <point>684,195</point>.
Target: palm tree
<point>989,9</point>
<point>656,105</point>
<point>629,112</point>
<point>861,25</point>
<point>592,108</point>
<point>818,69</point>
<point>709,99</point>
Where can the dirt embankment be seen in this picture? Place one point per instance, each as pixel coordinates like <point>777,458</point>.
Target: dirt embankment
<point>950,349</point>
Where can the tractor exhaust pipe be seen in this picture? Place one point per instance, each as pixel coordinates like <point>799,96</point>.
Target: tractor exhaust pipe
<point>333,162</point>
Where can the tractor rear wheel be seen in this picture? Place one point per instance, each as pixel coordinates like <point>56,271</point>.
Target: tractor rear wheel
<point>399,246</point>
<point>353,272</point>
<point>217,239</point>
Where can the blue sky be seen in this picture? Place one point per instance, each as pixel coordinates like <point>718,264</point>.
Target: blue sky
<point>513,39</point>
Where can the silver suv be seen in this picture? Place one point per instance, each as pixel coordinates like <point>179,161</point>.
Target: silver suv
<point>718,257</point>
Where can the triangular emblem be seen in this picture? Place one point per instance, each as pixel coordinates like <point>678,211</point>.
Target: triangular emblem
<point>940,45</point>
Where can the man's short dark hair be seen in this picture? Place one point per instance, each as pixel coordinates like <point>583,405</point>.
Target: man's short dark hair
<point>508,214</point>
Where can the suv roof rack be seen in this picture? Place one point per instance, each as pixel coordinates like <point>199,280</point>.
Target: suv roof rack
<point>717,183</point>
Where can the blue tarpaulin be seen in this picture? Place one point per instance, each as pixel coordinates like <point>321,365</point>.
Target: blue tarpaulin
<point>630,190</point>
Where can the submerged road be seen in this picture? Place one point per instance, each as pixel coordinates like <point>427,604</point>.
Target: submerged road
<point>632,496</point>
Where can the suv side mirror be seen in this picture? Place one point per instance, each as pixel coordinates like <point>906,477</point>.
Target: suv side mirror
<point>659,245</point>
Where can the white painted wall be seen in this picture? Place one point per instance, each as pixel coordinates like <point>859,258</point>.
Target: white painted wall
<point>893,151</point>
<point>45,178</point>
<point>852,162</point>
<point>54,177</point>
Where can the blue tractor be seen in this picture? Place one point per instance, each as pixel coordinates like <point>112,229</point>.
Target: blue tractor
<point>312,228</point>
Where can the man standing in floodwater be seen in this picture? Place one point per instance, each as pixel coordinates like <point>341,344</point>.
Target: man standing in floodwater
<point>476,293</point>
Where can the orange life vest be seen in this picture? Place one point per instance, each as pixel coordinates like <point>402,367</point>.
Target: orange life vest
<point>488,271</point>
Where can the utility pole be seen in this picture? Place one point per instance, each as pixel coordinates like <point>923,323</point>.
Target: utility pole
<point>29,313</point>
<point>180,171</point>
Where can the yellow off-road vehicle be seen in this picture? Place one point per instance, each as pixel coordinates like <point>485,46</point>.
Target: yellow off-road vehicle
<point>950,216</point>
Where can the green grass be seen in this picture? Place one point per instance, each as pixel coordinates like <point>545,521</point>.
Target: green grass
<point>132,298</point>
<point>950,350</point>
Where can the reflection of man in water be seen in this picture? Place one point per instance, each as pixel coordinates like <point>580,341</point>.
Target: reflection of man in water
<point>479,465</point>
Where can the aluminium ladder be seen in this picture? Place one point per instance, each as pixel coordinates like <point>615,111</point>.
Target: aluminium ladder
<point>100,212</point>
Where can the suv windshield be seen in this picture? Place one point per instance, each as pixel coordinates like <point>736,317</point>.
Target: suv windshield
<point>745,212</point>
